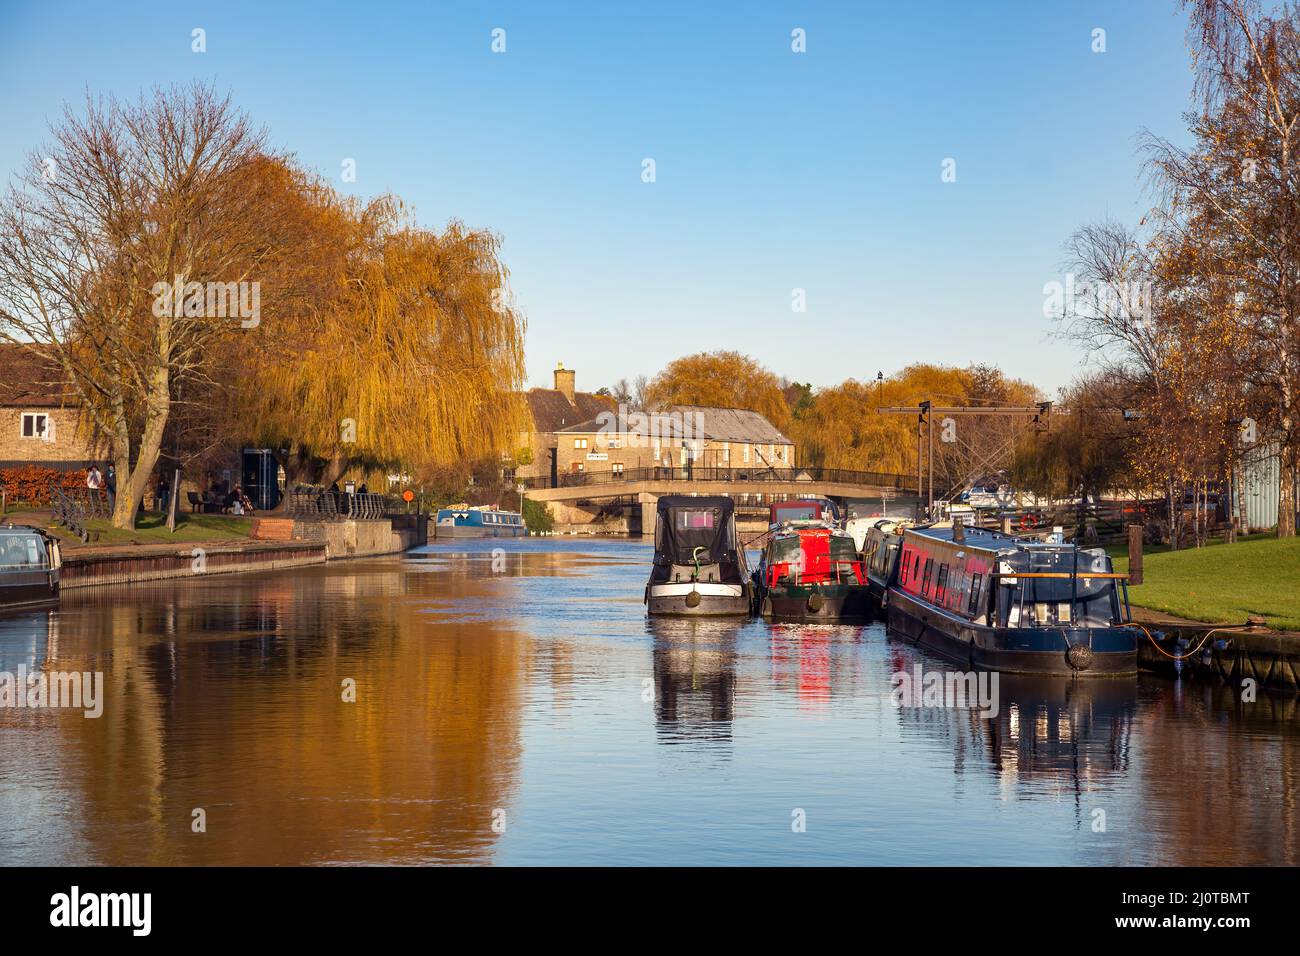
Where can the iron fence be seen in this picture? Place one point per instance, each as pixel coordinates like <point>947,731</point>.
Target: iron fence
<point>732,474</point>
<point>327,505</point>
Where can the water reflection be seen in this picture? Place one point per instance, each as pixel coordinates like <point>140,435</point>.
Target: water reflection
<point>521,681</point>
<point>695,677</point>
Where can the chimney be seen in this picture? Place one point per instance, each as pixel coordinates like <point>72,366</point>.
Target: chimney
<point>564,382</point>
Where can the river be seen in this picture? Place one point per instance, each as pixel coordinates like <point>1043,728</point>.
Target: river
<point>461,704</point>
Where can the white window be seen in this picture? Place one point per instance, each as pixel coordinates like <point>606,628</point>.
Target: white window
<point>745,453</point>
<point>38,425</point>
<point>785,454</point>
<point>580,443</point>
<point>726,454</point>
<point>616,443</point>
<point>616,468</point>
<point>657,454</point>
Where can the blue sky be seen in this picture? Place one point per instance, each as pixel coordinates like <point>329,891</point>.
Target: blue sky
<point>774,170</point>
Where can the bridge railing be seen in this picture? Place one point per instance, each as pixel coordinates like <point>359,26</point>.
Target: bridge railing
<point>741,473</point>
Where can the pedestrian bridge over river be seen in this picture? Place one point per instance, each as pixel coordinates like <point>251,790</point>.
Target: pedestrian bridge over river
<point>585,497</point>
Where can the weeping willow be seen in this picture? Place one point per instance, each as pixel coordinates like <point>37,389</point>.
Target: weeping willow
<point>415,362</point>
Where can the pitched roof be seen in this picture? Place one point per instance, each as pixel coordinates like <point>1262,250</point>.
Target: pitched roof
<point>713,424</point>
<point>27,380</point>
<point>551,411</point>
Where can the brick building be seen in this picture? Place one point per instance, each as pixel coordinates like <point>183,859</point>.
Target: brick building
<point>675,439</point>
<point>39,420</point>
<point>552,410</point>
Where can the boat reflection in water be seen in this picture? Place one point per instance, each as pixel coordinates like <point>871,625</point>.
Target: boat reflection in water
<point>28,639</point>
<point>1040,726</point>
<point>695,677</point>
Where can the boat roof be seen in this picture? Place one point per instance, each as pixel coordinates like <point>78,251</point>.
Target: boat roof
<point>985,539</point>
<point>672,502</point>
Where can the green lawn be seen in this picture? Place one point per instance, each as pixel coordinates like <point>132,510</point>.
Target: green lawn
<point>1221,583</point>
<point>152,529</point>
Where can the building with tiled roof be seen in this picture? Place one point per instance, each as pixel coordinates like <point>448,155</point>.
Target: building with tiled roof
<point>676,437</point>
<point>39,418</point>
<point>552,410</point>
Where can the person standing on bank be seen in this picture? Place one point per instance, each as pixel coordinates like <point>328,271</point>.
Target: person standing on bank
<point>93,480</point>
<point>110,485</point>
<point>161,494</point>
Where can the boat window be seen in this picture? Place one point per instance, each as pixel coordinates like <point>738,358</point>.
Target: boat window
<point>21,551</point>
<point>975,581</point>
<point>695,518</point>
<point>925,579</point>
<point>942,581</point>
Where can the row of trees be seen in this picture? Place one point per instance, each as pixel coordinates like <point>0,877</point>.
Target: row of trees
<point>178,272</point>
<point>841,426</point>
<point>1196,312</point>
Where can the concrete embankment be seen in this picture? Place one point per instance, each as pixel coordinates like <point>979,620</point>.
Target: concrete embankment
<point>1222,652</point>
<point>87,567</point>
<point>274,543</point>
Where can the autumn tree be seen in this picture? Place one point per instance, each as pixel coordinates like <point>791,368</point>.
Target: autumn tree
<point>414,361</point>
<point>1231,208</point>
<point>723,379</point>
<point>842,427</point>
<point>130,202</point>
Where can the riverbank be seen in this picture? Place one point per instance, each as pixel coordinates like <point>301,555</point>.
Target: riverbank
<point>1259,576</point>
<point>219,544</point>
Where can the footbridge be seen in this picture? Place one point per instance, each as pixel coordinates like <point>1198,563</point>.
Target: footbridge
<point>579,497</point>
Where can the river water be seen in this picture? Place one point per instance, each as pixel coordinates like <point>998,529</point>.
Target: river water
<point>517,707</point>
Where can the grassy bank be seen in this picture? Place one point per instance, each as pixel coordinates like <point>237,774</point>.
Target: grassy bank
<point>1221,583</point>
<point>152,529</point>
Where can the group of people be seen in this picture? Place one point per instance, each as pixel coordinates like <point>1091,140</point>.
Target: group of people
<point>216,497</point>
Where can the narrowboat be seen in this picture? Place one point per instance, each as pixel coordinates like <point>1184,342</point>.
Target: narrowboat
<point>699,566</point>
<point>880,550</point>
<point>481,521</point>
<point>29,568</point>
<point>991,600</point>
<point>810,570</point>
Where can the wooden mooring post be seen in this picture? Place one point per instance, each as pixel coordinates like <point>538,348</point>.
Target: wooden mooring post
<point>1135,554</point>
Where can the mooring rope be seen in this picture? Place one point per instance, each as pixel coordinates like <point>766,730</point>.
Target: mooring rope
<point>1192,653</point>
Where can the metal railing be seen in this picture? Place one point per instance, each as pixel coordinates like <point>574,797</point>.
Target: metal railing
<point>733,474</point>
<point>73,508</point>
<point>326,505</point>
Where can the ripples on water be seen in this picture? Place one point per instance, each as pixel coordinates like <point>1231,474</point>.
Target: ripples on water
<point>536,693</point>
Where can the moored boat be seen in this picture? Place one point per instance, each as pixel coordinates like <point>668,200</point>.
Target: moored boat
<point>29,568</point>
<point>994,601</point>
<point>481,521</point>
<point>699,567</point>
<point>810,570</point>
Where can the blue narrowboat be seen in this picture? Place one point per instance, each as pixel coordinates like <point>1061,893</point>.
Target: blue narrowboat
<point>998,602</point>
<point>480,521</point>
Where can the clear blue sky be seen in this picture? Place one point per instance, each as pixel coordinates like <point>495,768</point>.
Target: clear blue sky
<point>775,170</point>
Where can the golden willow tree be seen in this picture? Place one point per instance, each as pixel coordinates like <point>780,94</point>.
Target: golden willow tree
<point>843,429</point>
<point>721,379</point>
<point>413,360</point>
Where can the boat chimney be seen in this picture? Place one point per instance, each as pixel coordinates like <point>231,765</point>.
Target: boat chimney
<point>564,382</point>
<point>959,530</point>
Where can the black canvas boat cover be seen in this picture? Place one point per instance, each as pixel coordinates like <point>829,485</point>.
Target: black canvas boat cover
<point>686,522</point>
